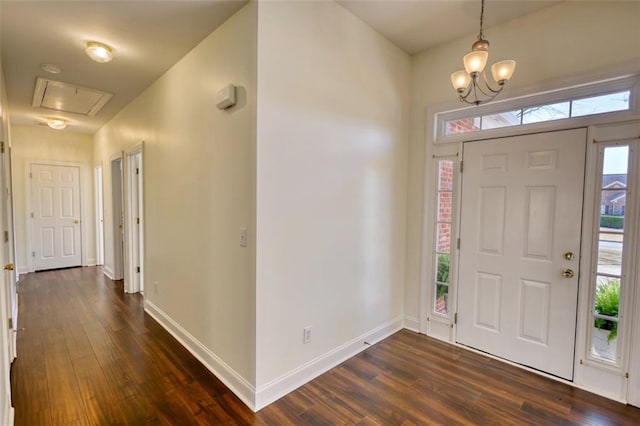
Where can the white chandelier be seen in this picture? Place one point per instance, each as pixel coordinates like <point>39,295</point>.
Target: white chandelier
<point>471,83</point>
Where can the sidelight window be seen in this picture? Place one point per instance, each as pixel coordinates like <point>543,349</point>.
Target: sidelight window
<point>444,227</point>
<point>610,248</point>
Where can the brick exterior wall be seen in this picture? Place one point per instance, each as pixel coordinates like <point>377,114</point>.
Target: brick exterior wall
<point>445,205</point>
<point>463,125</point>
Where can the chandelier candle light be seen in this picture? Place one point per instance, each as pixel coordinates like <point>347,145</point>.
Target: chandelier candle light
<point>470,81</point>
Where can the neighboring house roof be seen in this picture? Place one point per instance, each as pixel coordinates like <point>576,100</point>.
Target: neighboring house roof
<point>618,198</point>
<point>608,180</point>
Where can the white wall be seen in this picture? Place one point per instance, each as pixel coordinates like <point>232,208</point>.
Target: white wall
<point>333,99</point>
<point>199,184</point>
<point>551,46</point>
<point>6,410</point>
<point>30,143</point>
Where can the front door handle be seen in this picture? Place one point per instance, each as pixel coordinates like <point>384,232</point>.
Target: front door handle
<point>8,267</point>
<point>567,273</point>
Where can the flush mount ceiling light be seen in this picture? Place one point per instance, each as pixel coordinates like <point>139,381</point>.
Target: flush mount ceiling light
<point>471,83</point>
<point>57,123</point>
<point>99,52</point>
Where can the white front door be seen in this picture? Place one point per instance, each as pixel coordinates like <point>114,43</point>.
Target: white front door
<point>56,216</point>
<point>520,230</point>
<point>9,249</point>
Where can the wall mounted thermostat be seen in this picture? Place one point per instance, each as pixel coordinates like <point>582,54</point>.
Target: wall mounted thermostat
<point>226,97</point>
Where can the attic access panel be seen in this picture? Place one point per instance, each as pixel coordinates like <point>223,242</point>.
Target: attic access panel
<point>66,97</point>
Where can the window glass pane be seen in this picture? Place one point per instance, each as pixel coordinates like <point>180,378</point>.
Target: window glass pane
<point>442,272</point>
<point>441,299</point>
<point>605,324</point>
<point>445,203</point>
<point>462,125</point>
<point>445,175</point>
<point>601,104</point>
<point>444,238</point>
<point>502,119</point>
<point>616,160</point>
<point>541,113</point>
<point>610,254</point>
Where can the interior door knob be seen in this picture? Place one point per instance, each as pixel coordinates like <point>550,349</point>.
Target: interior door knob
<point>8,267</point>
<point>567,273</point>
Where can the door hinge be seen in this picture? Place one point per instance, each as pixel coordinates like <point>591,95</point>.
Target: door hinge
<point>138,269</point>
<point>138,220</point>
<point>455,318</point>
<point>458,244</point>
<point>2,147</point>
<point>33,254</point>
<point>137,171</point>
<point>10,323</point>
<point>31,215</point>
<point>626,375</point>
<point>30,175</point>
<point>6,236</point>
<point>461,166</point>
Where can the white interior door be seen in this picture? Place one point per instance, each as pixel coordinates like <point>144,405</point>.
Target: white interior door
<point>9,250</point>
<point>521,213</point>
<point>118,219</point>
<point>99,217</point>
<point>56,216</point>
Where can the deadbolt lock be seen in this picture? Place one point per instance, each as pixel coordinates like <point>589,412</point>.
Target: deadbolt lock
<point>568,255</point>
<point>567,273</point>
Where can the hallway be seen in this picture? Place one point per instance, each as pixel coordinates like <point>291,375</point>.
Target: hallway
<point>87,354</point>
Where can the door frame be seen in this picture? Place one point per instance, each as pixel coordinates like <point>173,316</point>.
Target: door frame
<point>130,218</point>
<point>84,177</point>
<point>98,178</point>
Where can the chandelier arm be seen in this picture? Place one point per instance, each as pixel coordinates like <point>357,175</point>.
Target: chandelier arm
<point>486,82</point>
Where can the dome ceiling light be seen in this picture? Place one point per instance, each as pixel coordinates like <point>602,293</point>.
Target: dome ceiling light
<point>57,123</point>
<point>99,52</point>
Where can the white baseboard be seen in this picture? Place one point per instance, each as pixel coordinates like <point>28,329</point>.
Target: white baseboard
<point>108,272</point>
<point>411,323</point>
<point>227,375</point>
<point>91,262</point>
<point>279,387</point>
<point>9,412</point>
<point>23,269</point>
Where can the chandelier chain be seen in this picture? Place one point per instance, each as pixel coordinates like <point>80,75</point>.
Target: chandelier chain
<point>481,35</point>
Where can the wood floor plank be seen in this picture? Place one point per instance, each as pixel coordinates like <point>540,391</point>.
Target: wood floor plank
<point>89,355</point>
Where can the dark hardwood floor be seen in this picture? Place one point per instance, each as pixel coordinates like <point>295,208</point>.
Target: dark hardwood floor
<point>88,354</point>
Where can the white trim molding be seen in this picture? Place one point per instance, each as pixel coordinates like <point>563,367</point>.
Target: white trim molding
<point>227,375</point>
<point>108,272</point>
<point>279,387</point>
<point>412,323</point>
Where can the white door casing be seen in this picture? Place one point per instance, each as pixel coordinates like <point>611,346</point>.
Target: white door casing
<point>56,216</point>
<point>134,276</point>
<point>521,212</point>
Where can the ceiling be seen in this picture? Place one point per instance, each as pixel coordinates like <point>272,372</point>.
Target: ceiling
<point>149,36</point>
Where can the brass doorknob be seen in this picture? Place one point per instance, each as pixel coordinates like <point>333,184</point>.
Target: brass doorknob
<point>568,255</point>
<point>567,273</point>
<point>76,221</point>
<point>8,267</point>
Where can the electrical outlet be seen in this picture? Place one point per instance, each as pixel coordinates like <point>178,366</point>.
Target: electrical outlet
<point>306,338</point>
<point>243,237</point>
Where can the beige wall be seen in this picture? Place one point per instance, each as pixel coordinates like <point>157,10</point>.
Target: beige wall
<point>199,191</point>
<point>333,99</point>
<point>31,143</point>
<point>551,46</point>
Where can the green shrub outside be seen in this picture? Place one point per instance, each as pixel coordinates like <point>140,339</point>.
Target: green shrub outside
<point>442,275</point>
<point>607,303</point>
<point>609,221</point>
